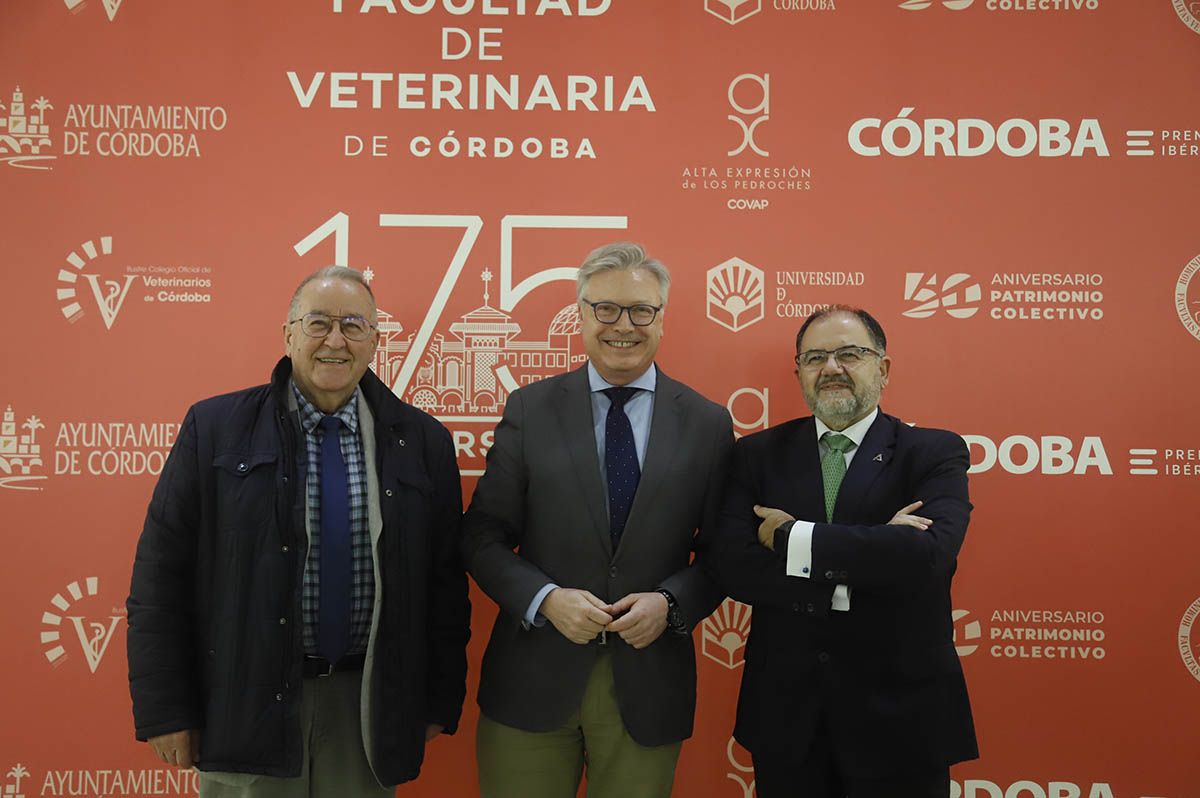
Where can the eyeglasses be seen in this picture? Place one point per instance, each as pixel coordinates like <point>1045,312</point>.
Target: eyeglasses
<point>610,312</point>
<point>319,325</point>
<point>847,357</point>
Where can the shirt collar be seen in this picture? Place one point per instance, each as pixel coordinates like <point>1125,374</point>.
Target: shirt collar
<point>855,432</point>
<point>646,382</point>
<point>311,415</point>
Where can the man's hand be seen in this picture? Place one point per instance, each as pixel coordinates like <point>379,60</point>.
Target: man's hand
<point>904,517</point>
<point>433,730</point>
<point>644,619</point>
<point>576,614</point>
<point>772,520</point>
<point>180,748</point>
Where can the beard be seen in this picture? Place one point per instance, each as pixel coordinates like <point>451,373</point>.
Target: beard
<point>839,412</point>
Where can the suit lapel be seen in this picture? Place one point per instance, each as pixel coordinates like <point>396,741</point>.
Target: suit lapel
<point>666,426</point>
<point>869,461</point>
<point>801,471</point>
<point>575,419</point>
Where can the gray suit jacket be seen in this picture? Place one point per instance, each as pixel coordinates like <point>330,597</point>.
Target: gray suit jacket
<point>543,495</point>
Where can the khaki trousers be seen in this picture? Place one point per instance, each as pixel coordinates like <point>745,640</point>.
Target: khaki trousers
<point>335,762</point>
<point>520,764</point>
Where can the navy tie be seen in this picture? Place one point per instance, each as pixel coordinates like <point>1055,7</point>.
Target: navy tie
<point>620,461</point>
<point>333,631</point>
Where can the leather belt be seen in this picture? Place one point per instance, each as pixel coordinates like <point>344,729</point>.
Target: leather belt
<point>319,666</point>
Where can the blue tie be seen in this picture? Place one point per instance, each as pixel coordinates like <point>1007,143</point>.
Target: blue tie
<point>620,461</point>
<point>333,631</point>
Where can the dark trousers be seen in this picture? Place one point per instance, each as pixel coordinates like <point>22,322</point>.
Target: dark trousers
<point>820,775</point>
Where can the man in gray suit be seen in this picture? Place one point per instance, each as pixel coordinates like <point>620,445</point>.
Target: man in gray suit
<point>604,480</point>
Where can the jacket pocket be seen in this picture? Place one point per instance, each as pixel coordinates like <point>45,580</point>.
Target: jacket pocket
<point>242,464</point>
<point>246,489</point>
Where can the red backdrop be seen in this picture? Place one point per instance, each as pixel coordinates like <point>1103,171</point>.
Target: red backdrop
<point>1009,185</point>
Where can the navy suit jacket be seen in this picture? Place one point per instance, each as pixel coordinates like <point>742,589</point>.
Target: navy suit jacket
<point>884,676</point>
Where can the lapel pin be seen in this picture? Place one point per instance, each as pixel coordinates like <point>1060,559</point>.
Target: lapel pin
<point>879,458</point>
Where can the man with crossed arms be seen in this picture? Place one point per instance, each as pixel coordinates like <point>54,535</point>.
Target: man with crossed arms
<point>852,686</point>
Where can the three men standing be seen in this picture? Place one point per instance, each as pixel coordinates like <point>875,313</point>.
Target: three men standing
<point>852,686</point>
<point>599,479</point>
<point>298,615</point>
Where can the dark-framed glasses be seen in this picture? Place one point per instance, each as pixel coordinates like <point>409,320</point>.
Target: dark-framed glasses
<point>319,325</point>
<point>847,357</point>
<point>610,312</point>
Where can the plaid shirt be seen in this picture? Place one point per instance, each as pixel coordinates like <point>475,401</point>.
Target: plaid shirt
<point>362,563</point>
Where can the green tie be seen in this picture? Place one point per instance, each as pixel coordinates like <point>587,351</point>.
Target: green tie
<point>833,468</point>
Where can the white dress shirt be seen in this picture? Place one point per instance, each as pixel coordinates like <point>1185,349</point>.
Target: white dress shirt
<point>799,546</point>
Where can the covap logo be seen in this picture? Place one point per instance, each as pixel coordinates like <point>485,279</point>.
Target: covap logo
<point>111,7</point>
<point>723,634</point>
<point>759,112</point>
<point>735,294</point>
<point>93,636</point>
<point>958,297</point>
<point>739,772</point>
<point>733,11</point>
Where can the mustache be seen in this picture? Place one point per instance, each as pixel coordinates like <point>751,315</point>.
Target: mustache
<point>835,380</point>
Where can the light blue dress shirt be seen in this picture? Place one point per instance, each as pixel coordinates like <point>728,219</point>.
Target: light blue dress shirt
<point>639,409</point>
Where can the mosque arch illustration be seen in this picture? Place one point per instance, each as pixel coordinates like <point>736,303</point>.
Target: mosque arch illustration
<point>457,375</point>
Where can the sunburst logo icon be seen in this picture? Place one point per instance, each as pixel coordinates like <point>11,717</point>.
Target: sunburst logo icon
<point>93,636</point>
<point>108,294</point>
<point>111,7</point>
<point>723,634</point>
<point>735,294</point>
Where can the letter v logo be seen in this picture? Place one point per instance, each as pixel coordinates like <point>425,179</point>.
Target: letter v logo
<point>111,299</point>
<point>95,639</point>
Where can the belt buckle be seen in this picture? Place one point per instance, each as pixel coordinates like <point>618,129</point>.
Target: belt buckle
<point>602,638</point>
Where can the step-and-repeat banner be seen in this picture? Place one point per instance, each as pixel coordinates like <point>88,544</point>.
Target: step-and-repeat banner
<point>1010,186</point>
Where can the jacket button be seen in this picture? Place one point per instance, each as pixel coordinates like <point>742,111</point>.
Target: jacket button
<point>388,492</point>
<point>822,657</point>
<point>810,608</point>
<point>282,621</point>
<point>829,574</point>
<point>241,467</point>
<point>285,479</point>
<point>279,696</point>
<point>400,441</point>
<point>796,607</point>
<point>612,571</point>
<point>286,549</point>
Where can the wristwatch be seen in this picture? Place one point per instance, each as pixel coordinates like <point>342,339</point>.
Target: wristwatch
<point>675,620</point>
